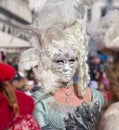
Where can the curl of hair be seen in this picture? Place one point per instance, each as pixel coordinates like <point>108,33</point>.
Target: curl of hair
<point>83,70</point>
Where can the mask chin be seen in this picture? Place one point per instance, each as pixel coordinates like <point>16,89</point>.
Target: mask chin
<point>66,79</point>
<point>68,84</point>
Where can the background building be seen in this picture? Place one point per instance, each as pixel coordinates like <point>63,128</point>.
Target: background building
<point>16,13</point>
<point>100,8</point>
<point>13,15</point>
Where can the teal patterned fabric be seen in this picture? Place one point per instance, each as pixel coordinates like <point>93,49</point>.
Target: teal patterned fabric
<point>50,115</point>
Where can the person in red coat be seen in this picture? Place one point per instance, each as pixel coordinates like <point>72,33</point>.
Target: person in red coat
<point>15,107</point>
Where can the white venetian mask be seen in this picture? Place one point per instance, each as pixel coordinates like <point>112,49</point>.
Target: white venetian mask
<point>64,64</point>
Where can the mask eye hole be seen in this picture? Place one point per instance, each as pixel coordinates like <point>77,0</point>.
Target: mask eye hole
<point>59,61</point>
<point>71,60</point>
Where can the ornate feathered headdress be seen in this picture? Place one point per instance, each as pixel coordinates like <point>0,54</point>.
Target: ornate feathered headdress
<point>105,34</point>
<point>58,25</point>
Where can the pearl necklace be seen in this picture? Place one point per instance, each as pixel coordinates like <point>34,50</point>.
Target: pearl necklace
<point>68,96</point>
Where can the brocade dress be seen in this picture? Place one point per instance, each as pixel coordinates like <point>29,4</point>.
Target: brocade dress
<point>51,115</point>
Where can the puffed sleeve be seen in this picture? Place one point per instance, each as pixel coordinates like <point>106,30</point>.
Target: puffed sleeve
<point>39,112</point>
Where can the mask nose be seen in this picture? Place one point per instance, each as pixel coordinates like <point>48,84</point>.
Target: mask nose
<point>66,67</point>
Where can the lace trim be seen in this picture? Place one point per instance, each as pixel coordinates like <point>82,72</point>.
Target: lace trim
<point>62,108</point>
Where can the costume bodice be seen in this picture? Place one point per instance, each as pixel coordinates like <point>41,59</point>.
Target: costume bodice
<point>51,114</point>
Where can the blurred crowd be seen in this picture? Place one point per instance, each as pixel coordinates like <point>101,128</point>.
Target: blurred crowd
<point>99,64</point>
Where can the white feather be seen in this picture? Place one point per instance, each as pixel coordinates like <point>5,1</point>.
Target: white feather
<point>106,32</point>
<point>57,11</point>
<point>75,3</point>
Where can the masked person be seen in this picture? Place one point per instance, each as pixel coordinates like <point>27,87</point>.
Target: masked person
<point>59,51</point>
<point>16,108</point>
<point>106,38</point>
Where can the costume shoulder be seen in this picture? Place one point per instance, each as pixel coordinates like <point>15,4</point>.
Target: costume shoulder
<point>40,108</point>
<point>25,102</point>
<point>39,96</point>
<point>98,96</point>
